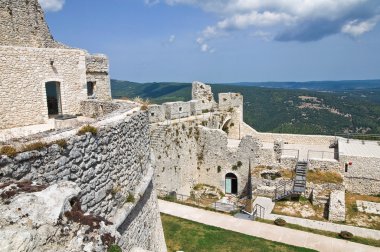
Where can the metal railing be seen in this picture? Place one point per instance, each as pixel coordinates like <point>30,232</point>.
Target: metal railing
<point>293,153</point>
<point>313,154</point>
<point>283,189</point>
<point>258,212</point>
<point>359,136</point>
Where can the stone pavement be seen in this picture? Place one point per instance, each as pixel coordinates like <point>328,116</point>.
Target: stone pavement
<point>262,230</point>
<point>321,225</point>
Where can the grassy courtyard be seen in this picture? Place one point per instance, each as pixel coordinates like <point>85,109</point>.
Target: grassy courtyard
<point>185,235</point>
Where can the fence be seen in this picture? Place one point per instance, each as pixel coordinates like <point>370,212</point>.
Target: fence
<point>359,136</point>
<point>200,202</point>
<point>292,153</point>
<point>323,155</point>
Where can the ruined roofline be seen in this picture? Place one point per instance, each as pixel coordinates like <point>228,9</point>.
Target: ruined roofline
<point>22,23</point>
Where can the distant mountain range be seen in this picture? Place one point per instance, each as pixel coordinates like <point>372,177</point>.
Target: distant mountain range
<point>316,85</point>
<point>323,107</point>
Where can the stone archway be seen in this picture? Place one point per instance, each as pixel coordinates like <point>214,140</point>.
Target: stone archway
<point>231,183</point>
<point>225,123</point>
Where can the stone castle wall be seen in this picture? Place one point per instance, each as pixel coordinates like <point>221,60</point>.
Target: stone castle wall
<point>187,153</point>
<point>107,167</point>
<point>22,23</point>
<point>363,176</point>
<point>24,72</point>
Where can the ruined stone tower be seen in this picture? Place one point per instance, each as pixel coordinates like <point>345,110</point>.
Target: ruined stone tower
<point>40,77</point>
<point>22,23</point>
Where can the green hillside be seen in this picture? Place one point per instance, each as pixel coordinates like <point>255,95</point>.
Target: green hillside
<point>281,110</point>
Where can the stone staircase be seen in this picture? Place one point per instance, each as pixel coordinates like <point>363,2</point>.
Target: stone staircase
<point>156,136</point>
<point>295,187</point>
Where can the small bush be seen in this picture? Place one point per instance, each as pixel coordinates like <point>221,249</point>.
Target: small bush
<point>114,248</point>
<point>61,143</point>
<point>198,187</point>
<point>205,111</point>
<point>131,198</point>
<point>170,198</point>
<point>87,128</point>
<point>280,222</point>
<point>34,146</point>
<point>234,167</point>
<point>346,235</point>
<point>219,168</point>
<point>8,151</point>
<point>239,163</point>
<point>232,124</point>
<point>230,110</point>
<point>144,107</point>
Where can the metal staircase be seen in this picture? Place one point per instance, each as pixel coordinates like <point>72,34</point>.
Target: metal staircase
<point>296,186</point>
<point>299,185</point>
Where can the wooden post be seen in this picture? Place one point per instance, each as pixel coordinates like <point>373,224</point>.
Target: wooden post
<point>248,205</point>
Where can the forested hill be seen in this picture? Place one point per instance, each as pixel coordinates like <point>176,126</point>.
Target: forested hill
<point>281,110</point>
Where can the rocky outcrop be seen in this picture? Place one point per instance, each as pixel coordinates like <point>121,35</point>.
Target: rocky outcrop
<point>39,221</point>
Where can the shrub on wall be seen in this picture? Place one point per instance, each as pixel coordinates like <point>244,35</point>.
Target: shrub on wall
<point>8,151</point>
<point>130,198</point>
<point>61,143</point>
<point>88,128</point>
<point>114,248</point>
<point>234,167</point>
<point>34,146</point>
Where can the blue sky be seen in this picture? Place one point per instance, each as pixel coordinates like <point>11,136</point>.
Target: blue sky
<point>224,40</point>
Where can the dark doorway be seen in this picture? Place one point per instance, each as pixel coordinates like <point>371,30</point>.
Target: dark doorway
<point>231,183</point>
<point>90,88</point>
<point>53,95</point>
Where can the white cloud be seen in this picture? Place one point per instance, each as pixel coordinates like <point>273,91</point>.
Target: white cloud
<point>356,28</point>
<point>171,38</point>
<point>300,20</point>
<point>204,47</point>
<point>151,2</point>
<point>52,5</point>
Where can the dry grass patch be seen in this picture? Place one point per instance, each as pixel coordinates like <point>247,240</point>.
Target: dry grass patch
<point>321,177</point>
<point>258,169</point>
<point>87,128</point>
<point>300,209</point>
<point>286,173</point>
<point>8,151</point>
<point>34,146</point>
<point>144,103</point>
<point>356,218</point>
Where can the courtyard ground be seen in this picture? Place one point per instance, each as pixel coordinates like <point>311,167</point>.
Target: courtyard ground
<point>185,235</point>
<point>262,230</point>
